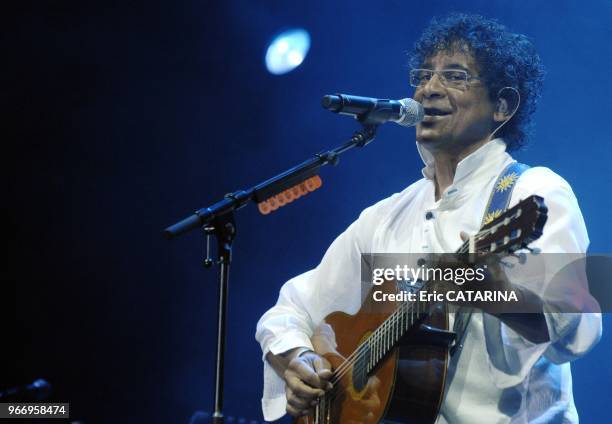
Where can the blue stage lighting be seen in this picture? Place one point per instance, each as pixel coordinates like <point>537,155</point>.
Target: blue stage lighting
<point>287,51</point>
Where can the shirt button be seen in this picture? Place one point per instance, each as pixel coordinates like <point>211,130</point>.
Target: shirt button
<point>429,215</point>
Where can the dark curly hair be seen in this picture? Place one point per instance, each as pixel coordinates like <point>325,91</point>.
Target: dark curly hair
<point>506,59</point>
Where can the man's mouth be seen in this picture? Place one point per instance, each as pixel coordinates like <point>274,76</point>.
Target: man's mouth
<point>432,111</point>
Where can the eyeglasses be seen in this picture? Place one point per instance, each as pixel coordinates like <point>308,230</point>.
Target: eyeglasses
<point>454,78</point>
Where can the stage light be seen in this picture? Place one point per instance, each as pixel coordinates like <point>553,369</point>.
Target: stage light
<point>287,51</point>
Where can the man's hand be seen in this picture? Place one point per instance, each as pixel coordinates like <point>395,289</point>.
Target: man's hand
<point>307,378</point>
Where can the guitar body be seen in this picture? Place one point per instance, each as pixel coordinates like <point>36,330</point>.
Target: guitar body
<point>406,386</point>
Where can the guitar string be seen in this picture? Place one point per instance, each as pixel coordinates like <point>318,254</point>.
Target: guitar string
<point>377,337</point>
<point>377,334</point>
<point>383,340</point>
<point>463,249</point>
<point>390,331</point>
<point>392,320</point>
<point>383,331</point>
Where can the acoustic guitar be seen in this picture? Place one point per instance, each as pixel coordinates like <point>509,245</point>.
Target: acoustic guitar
<point>390,364</point>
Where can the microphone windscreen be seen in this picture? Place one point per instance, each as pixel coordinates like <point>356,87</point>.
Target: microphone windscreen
<point>413,112</point>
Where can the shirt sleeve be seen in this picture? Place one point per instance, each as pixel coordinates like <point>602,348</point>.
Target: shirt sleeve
<point>561,286</point>
<point>304,301</point>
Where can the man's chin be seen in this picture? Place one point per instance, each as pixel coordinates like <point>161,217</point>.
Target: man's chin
<point>427,136</point>
<point>430,140</point>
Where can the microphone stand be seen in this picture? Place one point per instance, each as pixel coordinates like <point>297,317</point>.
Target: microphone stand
<point>218,220</point>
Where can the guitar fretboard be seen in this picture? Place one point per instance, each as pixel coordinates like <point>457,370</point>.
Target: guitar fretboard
<point>396,325</point>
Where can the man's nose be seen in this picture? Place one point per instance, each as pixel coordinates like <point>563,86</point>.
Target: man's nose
<point>433,87</point>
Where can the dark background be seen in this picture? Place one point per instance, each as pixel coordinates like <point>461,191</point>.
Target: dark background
<point>124,116</point>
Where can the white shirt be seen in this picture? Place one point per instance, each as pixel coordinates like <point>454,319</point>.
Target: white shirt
<point>499,377</point>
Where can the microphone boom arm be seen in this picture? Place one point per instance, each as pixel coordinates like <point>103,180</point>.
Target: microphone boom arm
<point>272,186</point>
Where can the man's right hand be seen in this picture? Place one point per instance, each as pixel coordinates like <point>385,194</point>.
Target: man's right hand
<point>307,378</point>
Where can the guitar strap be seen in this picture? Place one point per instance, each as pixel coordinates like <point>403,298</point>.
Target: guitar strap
<point>498,203</point>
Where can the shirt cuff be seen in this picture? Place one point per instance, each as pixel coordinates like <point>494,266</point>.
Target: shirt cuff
<point>287,341</point>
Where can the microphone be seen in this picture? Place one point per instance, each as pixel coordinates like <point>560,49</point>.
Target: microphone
<point>370,111</point>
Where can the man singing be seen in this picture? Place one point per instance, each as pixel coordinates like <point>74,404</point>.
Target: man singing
<point>479,85</point>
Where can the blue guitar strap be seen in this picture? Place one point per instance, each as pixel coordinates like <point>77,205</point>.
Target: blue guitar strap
<point>502,191</point>
<point>498,203</point>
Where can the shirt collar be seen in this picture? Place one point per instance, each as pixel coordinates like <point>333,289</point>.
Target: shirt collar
<point>486,156</point>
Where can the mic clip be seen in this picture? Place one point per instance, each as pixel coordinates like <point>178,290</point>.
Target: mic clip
<point>364,136</point>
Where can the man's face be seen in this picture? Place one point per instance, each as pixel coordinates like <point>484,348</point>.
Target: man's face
<point>454,118</point>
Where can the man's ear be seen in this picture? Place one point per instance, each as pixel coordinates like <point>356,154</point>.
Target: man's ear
<point>501,110</point>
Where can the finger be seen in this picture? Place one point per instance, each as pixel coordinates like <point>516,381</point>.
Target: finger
<point>306,373</point>
<point>323,369</point>
<point>321,365</point>
<point>301,389</point>
<point>295,406</point>
<point>293,411</point>
<point>297,402</point>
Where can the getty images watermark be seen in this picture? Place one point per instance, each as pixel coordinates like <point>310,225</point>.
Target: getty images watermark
<point>416,278</point>
<point>497,284</point>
